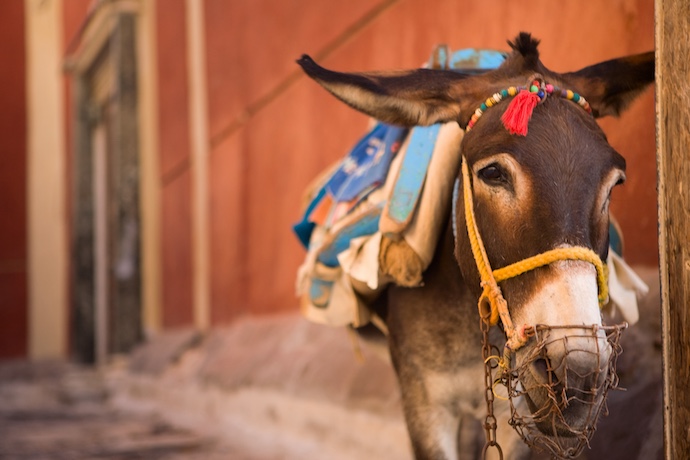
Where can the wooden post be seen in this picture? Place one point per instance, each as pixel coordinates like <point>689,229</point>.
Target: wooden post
<point>673,160</point>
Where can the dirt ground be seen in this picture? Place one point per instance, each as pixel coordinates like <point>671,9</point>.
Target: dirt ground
<point>57,411</point>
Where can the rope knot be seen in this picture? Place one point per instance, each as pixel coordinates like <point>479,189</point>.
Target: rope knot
<point>518,338</point>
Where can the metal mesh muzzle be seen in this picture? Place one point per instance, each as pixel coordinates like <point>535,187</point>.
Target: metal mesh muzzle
<point>570,398</point>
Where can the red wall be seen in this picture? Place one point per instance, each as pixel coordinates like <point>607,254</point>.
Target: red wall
<point>256,174</point>
<point>272,130</point>
<point>13,206</point>
<point>174,148</point>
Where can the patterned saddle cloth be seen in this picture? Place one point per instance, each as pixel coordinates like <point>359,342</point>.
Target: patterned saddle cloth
<point>374,218</point>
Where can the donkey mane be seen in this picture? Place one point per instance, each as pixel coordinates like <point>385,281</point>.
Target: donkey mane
<point>526,46</point>
<point>523,62</point>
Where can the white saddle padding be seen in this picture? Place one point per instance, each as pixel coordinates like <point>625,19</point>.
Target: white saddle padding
<point>625,286</point>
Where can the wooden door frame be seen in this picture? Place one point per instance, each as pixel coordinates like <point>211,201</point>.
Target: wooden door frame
<point>673,166</point>
<point>110,36</point>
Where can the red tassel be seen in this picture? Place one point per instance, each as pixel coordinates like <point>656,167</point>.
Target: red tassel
<point>517,115</point>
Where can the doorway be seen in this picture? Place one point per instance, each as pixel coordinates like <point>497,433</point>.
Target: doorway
<point>106,281</point>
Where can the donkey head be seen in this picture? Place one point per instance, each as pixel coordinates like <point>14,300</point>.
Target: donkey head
<point>532,193</point>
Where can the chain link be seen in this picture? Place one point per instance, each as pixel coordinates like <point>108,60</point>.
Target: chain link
<point>490,424</point>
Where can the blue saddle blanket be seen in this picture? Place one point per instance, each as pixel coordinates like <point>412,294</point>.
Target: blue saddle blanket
<point>366,166</point>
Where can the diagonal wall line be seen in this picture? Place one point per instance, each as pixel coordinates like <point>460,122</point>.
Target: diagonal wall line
<point>264,100</point>
<point>259,104</point>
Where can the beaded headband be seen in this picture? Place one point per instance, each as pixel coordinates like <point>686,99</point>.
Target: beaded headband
<point>519,112</point>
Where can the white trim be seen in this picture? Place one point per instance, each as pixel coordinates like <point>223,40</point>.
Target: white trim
<point>47,225</point>
<point>150,168</point>
<point>98,28</point>
<point>198,127</point>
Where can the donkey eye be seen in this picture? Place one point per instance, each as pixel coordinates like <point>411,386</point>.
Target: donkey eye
<point>492,174</point>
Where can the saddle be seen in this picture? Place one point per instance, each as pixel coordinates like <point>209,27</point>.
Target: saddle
<point>375,217</point>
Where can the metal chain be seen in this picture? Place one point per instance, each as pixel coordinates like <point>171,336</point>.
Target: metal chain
<point>490,421</point>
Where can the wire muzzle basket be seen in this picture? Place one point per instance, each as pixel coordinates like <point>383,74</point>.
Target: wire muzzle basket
<point>555,406</point>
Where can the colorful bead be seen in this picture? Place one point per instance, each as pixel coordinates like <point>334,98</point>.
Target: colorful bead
<point>541,91</point>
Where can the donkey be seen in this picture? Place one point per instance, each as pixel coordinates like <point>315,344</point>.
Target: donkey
<point>536,177</point>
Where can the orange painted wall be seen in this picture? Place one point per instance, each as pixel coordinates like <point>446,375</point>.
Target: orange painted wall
<point>272,130</point>
<point>13,168</point>
<point>174,148</point>
<point>177,253</point>
<point>251,47</point>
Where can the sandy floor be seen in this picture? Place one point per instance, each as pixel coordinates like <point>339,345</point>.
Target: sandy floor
<point>63,412</point>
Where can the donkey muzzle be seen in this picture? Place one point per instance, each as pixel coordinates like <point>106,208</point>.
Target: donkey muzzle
<point>563,375</point>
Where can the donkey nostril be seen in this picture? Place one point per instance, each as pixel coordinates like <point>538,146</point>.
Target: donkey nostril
<point>543,371</point>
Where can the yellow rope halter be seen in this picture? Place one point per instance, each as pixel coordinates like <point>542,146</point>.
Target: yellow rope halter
<point>492,304</point>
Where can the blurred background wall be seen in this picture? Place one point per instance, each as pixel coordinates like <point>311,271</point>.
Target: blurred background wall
<point>13,177</point>
<point>153,153</point>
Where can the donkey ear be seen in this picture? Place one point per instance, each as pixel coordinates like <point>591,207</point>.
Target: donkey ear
<point>409,98</point>
<point>611,86</point>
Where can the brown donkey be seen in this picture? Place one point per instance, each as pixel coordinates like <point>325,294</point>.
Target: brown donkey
<point>536,177</point>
